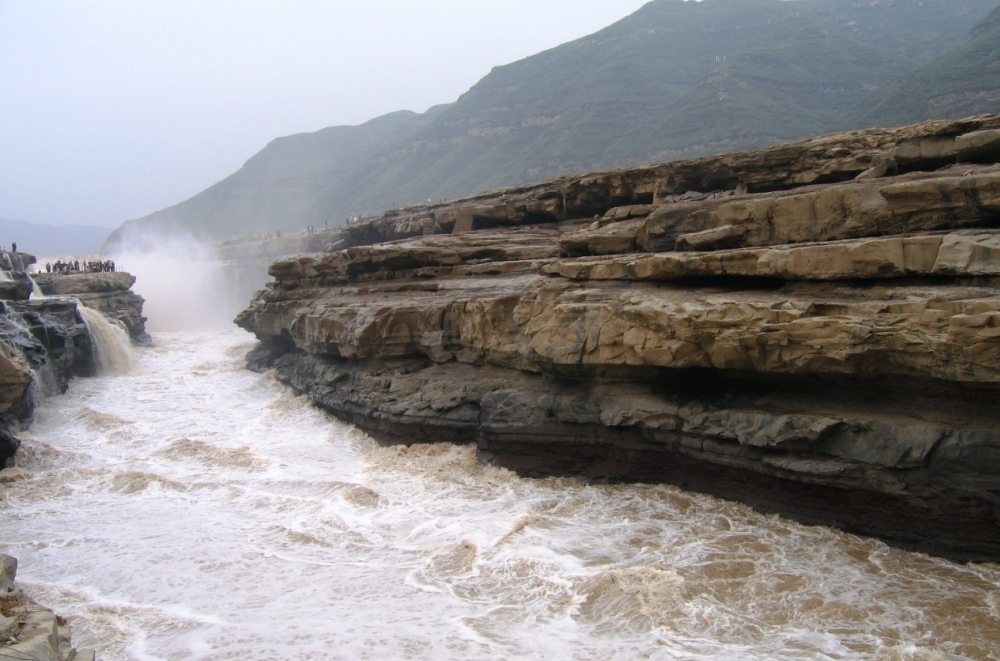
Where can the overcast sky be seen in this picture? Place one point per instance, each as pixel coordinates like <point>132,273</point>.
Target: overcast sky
<point>114,109</point>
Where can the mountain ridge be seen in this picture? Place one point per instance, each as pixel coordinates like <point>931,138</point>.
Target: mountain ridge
<point>650,87</point>
<point>53,240</point>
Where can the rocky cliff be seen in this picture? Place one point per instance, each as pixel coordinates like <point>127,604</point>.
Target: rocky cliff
<point>109,293</point>
<point>810,328</point>
<point>44,339</point>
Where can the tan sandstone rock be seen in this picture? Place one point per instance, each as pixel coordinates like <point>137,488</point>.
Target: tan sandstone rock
<point>765,326</point>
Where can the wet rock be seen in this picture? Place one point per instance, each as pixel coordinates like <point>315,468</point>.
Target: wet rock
<point>9,444</point>
<point>8,572</point>
<point>15,376</point>
<point>18,288</point>
<point>36,633</point>
<point>108,293</point>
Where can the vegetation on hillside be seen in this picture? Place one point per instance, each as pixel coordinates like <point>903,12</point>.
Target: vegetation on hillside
<point>962,83</point>
<point>673,79</point>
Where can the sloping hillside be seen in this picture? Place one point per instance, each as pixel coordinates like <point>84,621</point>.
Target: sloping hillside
<point>675,78</point>
<point>774,93</point>
<point>290,183</point>
<point>962,83</point>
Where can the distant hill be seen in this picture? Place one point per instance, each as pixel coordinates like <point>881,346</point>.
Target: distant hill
<point>962,83</point>
<point>674,79</point>
<point>50,240</point>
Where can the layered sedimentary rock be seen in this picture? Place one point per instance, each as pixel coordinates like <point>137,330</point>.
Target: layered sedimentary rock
<point>813,329</point>
<point>109,293</point>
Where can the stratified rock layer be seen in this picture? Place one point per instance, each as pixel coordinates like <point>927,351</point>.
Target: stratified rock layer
<point>813,329</point>
<point>110,293</point>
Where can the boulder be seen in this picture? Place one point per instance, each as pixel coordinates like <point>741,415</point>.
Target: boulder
<point>8,572</point>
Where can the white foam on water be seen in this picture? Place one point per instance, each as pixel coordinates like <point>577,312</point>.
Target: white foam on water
<point>190,509</point>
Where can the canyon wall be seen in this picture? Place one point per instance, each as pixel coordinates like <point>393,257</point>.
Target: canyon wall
<point>813,329</point>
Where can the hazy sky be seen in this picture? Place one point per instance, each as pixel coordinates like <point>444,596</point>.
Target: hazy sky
<point>113,109</point>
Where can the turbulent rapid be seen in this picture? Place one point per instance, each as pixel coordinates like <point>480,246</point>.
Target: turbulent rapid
<point>190,509</point>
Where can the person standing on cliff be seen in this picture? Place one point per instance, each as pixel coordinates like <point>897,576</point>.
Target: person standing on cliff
<point>13,246</point>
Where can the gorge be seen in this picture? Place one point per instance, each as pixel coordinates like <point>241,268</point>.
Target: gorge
<point>647,401</point>
<point>172,511</point>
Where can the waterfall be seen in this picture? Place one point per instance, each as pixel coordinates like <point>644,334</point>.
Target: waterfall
<point>111,343</point>
<point>36,291</point>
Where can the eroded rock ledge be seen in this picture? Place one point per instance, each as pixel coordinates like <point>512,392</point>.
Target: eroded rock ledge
<point>109,293</point>
<point>813,329</point>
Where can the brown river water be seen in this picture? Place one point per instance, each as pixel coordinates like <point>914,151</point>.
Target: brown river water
<point>190,509</point>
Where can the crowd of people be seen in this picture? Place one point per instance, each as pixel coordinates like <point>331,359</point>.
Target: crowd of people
<point>96,266</point>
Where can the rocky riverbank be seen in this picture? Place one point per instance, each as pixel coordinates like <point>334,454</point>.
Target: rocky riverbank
<point>109,293</point>
<point>810,328</point>
<point>44,340</point>
<point>44,344</point>
<point>28,630</point>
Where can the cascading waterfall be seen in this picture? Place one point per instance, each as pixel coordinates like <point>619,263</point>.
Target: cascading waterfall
<point>14,331</point>
<point>36,291</point>
<point>111,343</point>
